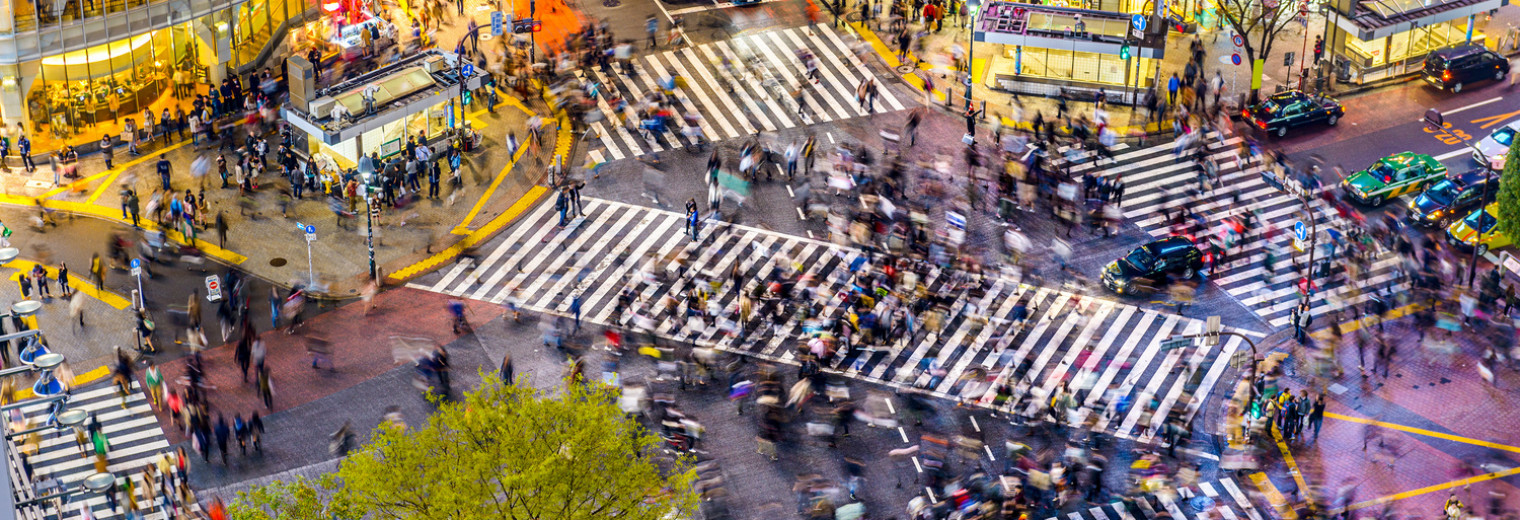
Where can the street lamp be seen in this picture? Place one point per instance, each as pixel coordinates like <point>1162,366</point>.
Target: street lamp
<point>1437,123</point>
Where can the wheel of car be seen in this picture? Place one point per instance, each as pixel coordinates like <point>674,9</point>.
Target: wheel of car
<point>1282,131</point>
<point>1376,201</point>
<point>1456,88</point>
<point>1334,118</point>
<point>1188,273</point>
<point>1498,75</point>
<point>1482,248</point>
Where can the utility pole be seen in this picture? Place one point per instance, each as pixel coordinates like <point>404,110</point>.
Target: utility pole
<point>1437,123</point>
<point>970,54</point>
<point>369,239</point>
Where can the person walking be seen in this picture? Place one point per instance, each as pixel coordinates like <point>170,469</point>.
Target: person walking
<point>221,230</point>
<point>24,146</point>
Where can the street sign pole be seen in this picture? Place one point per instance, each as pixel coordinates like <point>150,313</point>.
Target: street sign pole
<point>311,236</point>
<point>137,273</point>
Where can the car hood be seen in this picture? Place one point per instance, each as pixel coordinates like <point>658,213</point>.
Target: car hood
<point>1364,182</point>
<point>1462,232</point>
<point>1493,149</point>
<point>1120,269</point>
<point>1424,204</point>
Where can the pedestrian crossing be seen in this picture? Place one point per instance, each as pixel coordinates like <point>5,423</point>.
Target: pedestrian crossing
<point>1154,178</point>
<point>59,463</point>
<point>1217,500</point>
<point>1101,352</point>
<point>751,97</point>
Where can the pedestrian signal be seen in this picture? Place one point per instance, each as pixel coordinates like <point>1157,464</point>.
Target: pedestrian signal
<point>1124,52</point>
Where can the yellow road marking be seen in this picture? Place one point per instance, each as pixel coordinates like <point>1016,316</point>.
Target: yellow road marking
<point>1427,433</point>
<point>113,172</point>
<point>1428,489</point>
<point>1355,325</point>
<point>480,203</point>
<point>1298,476</point>
<point>79,379</point>
<point>1494,120</point>
<point>1274,497</point>
<point>76,184</point>
<point>75,281</point>
<point>473,238</point>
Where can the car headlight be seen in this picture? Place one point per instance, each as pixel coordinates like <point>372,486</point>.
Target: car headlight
<point>1437,214</point>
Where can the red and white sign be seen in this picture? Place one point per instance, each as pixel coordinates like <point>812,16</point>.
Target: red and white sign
<point>213,288</point>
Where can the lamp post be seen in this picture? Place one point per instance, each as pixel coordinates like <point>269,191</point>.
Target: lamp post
<point>974,6</point>
<point>1436,122</point>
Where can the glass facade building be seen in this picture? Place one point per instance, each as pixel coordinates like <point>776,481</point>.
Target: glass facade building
<point>74,70</point>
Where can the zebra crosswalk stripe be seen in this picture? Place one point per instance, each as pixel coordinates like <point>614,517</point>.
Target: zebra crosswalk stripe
<point>1153,174</point>
<point>136,440</point>
<point>1087,343</point>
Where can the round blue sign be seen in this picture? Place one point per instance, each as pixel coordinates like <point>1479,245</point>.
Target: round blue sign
<point>136,263</point>
<point>311,229</point>
<point>1235,58</point>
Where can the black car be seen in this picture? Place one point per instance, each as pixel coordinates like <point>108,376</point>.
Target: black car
<point>1294,108</point>
<point>1452,197</point>
<point>1451,67</point>
<point>1151,264</point>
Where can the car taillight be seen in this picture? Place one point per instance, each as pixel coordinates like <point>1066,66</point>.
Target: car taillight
<point>1245,114</point>
<point>1262,124</point>
<point>1446,75</point>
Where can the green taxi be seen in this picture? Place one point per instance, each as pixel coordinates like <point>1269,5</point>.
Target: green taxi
<point>1393,176</point>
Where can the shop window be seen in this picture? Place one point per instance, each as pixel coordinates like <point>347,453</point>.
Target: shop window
<point>80,95</point>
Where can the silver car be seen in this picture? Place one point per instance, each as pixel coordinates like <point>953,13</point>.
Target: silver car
<point>1496,145</point>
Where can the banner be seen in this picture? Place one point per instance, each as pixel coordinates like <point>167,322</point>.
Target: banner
<point>1256,66</point>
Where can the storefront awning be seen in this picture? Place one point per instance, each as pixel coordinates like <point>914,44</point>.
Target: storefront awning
<point>1079,30</point>
<point>1375,19</point>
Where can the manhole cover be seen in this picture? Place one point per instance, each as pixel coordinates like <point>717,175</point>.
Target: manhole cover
<point>611,3</point>
<point>905,69</point>
<point>277,262</point>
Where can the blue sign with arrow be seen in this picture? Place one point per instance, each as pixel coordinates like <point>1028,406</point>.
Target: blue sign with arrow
<point>1300,231</point>
<point>1138,21</point>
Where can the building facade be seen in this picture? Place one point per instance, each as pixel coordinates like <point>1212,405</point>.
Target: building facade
<point>1046,50</point>
<point>73,70</point>
<point>1376,39</point>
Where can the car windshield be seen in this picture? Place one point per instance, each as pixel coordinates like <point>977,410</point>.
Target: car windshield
<point>1504,136</point>
<point>1481,221</point>
<point>1381,171</point>
<point>1443,192</point>
<point>1140,259</point>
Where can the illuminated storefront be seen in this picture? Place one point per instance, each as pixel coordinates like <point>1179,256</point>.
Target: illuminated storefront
<point>74,70</point>
<point>1043,50</point>
<point>1375,39</point>
<point>414,98</point>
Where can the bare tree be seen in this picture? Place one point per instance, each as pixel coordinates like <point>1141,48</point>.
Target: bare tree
<point>1263,18</point>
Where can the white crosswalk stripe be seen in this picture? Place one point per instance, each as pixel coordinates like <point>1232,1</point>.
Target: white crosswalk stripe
<point>136,440</point>
<point>1104,353</point>
<point>1154,179</point>
<point>1204,501</point>
<point>738,105</point>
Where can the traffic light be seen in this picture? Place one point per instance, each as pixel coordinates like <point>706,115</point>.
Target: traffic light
<point>467,97</point>
<point>527,25</point>
<point>1124,52</point>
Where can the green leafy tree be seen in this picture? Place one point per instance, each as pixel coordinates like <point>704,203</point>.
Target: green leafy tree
<point>502,452</point>
<point>1509,194</point>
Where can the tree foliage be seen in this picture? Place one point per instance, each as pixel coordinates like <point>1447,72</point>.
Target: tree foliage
<point>1509,194</point>
<point>501,452</point>
<point>1250,17</point>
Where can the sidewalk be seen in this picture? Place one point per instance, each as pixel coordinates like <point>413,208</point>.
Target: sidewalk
<point>266,244</point>
<point>1296,38</point>
<point>1404,439</point>
<point>401,319</point>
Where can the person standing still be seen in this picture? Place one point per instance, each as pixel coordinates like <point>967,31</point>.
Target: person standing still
<point>105,150</point>
<point>692,218</point>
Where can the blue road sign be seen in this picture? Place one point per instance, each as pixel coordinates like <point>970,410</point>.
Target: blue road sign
<point>469,69</point>
<point>136,263</point>
<point>311,229</point>
<point>1300,231</point>
<point>496,23</point>
<point>1138,21</point>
